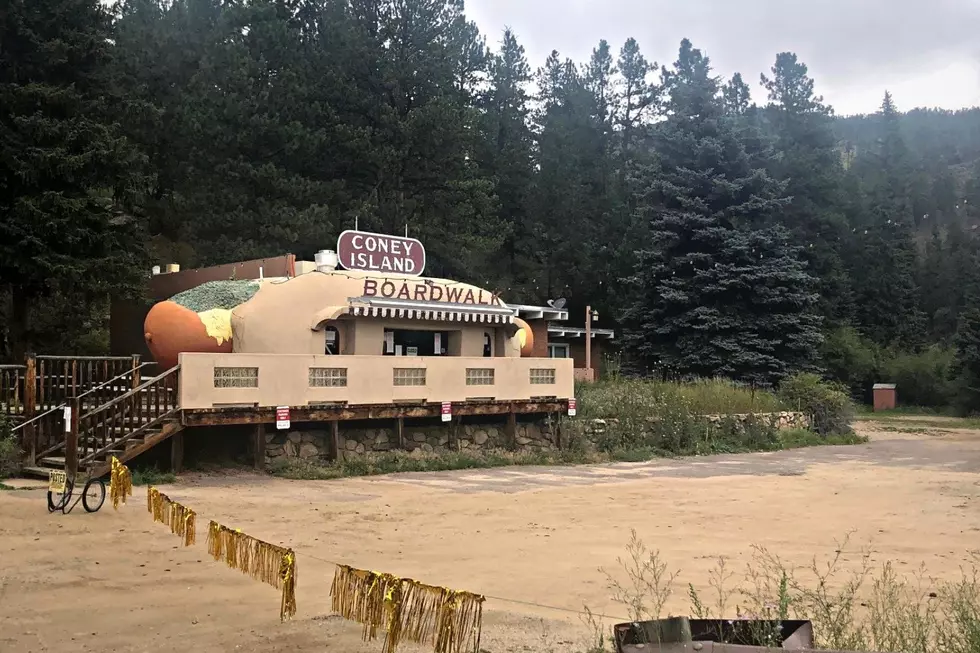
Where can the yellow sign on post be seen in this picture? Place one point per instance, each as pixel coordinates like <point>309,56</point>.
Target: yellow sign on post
<point>57,480</point>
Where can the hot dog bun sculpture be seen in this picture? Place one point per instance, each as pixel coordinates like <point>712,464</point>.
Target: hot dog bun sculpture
<point>196,320</point>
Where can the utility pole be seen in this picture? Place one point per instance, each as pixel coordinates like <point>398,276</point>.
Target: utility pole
<point>589,315</point>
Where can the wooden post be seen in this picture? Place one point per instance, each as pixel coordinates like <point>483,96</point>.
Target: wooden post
<point>177,452</point>
<point>511,429</point>
<point>30,408</point>
<point>588,342</point>
<point>258,445</point>
<point>400,433</point>
<point>136,371</point>
<point>335,440</point>
<point>71,438</point>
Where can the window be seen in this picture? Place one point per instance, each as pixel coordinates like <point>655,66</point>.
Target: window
<point>479,376</point>
<point>558,351</point>
<point>328,377</point>
<point>236,377</point>
<point>331,338</point>
<point>409,376</point>
<point>487,345</point>
<point>406,342</point>
<point>543,376</point>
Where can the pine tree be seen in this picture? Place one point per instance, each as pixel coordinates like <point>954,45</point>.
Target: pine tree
<point>68,178</point>
<point>507,156</point>
<point>810,165</point>
<point>967,342</point>
<point>719,289</point>
<point>883,257</point>
<point>737,96</point>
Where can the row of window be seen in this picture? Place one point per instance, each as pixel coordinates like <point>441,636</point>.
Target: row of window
<point>336,377</point>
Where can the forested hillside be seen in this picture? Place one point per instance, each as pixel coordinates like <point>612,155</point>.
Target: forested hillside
<point>723,226</point>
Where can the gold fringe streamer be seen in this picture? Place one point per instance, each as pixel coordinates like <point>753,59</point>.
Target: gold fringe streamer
<point>407,610</point>
<point>178,517</point>
<point>265,562</point>
<point>120,483</point>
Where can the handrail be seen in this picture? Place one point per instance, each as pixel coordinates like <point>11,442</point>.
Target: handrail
<point>83,358</point>
<point>89,391</point>
<point>143,386</point>
<point>12,366</point>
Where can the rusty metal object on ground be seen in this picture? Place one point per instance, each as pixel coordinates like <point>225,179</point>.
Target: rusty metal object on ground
<point>680,634</point>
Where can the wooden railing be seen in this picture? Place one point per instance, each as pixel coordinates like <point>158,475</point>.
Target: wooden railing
<point>58,378</point>
<point>94,433</point>
<point>45,433</point>
<point>12,391</point>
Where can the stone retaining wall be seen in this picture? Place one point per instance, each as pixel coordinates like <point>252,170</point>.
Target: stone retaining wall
<point>314,444</point>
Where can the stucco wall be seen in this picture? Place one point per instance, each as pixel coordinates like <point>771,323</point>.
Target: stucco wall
<point>284,380</point>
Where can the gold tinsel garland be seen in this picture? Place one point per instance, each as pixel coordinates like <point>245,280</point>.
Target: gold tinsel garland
<point>268,563</point>
<point>180,519</point>
<point>120,483</point>
<point>407,609</point>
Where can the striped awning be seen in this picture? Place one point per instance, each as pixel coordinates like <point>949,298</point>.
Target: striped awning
<point>431,311</point>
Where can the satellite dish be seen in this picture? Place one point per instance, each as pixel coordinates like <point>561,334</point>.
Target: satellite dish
<point>557,303</point>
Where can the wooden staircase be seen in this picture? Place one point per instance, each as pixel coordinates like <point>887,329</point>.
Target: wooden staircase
<point>125,426</point>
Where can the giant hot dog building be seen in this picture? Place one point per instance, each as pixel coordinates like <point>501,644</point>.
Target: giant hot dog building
<point>357,327</point>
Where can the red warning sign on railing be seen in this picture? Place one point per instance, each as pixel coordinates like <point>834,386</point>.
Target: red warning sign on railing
<point>447,411</point>
<point>572,405</point>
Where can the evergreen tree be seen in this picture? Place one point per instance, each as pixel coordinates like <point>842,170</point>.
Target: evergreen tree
<point>508,156</point>
<point>719,289</point>
<point>68,178</point>
<point>967,365</point>
<point>883,256</point>
<point>737,96</point>
<point>809,163</point>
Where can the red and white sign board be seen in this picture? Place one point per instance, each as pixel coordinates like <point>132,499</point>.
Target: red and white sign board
<point>572,405</point>
<point>282,417</point>
<point>371,252</point>
<point>447,411</point>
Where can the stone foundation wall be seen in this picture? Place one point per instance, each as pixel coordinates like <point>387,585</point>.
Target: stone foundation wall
<point>314,443</point>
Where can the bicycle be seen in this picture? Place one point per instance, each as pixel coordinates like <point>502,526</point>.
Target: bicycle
<point>61,488</point>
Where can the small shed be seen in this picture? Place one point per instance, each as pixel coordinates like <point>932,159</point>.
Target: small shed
<point>884,396</point>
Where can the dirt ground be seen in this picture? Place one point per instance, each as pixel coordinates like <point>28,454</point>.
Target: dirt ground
<point>116,581</point>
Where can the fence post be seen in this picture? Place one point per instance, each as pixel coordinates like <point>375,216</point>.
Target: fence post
<point>136,371</point>
<point>71,438</point>
<point>30,408</point>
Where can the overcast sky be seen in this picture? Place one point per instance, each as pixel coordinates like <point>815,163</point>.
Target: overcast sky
<point>925,53</point>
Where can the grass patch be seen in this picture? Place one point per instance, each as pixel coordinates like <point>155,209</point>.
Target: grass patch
<point>621,398</point>
<point>867,608</point>
<point>152,476</point>
<point>864,410</point>
<point>924,421</point>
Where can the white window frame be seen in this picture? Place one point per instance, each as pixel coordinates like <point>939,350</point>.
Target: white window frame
<point>553,347</point>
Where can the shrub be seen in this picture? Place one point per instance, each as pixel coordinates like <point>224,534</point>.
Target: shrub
<point>10,453</point>
<point>853,360</point>
<point>827,404</point>
<point>924,378</point>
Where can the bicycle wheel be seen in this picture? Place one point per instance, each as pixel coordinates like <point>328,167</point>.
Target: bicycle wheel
<point>93,496</point>
<point>58,500</point>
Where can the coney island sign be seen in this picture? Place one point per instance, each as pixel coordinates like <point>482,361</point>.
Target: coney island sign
<point>370,252</point>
